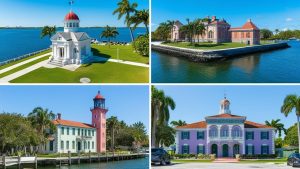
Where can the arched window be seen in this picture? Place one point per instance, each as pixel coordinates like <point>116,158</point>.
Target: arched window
<point>74,24</point>
<point>236,131</point>
<point>224,131</point>
<point>248,35</point>
<point>210,34</point>
<point>213,131</point>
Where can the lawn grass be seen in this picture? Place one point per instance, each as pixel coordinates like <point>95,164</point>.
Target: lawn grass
<point>125,53</point>
<point>205,45</point>
<point>281,160</point>
<point>191,161</point>
<point>24,66</point>
<point>107,72</point>
<point>24,59</point>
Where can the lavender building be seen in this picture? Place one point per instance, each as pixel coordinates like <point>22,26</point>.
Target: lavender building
<point>225,135</point>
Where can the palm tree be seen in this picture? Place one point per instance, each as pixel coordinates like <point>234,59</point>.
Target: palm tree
<point>160,104</point>
<point>171,26</point>
<point>125,8</point>
<point>199,28</point>
<point>109,32</point>
<point>292,103</point>
<point>278,126</point>
<point>41,120</point>
<point>114,125</point>
<point>48,31</point>
<point>139,17</point>
<point>178,123</point>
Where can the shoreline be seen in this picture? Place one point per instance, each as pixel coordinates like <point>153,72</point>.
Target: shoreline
<point>197,55</point>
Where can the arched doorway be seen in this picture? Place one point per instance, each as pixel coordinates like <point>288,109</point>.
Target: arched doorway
<point>236,149</point>
<point>225,150</point>
<point>214,149</point>
<point>78,146</point>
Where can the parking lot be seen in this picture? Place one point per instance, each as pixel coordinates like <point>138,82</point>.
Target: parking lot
<point>224,166</point>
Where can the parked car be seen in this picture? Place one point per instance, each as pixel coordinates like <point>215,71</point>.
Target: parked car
<point>159,155</point>
<point>294,160</point>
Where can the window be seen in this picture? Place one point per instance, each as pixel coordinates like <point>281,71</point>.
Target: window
<point>236,131</point>
<point>82,132</point>
<point>73,131</point>
<point>250,149</point>
<point>85,132</point>
<point>93,132</point>
<point>200,149</point>
<point>264,135</point>
<point>242,34</point>
<point>250,135</point>
<point>67,145</point>
<point>264,149</point>
<point>51,144</point>
<point>78,133</point>
<point>62,131</point>
<point>185,149</point>
<point>248,35</point>
<point>185,135</point>
<point>68,131</point>
<point>62,145</point>
<point>213,131</point>
<point>89,132</point>
<point>93,145</point>
<point>89,145</point>
<point>73,144</point>
<point>200,135</point>
<point>224,131</point>
<point>84,144</point>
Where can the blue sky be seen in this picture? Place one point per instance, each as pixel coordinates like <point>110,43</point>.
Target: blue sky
<point>52,12</point>
<point>258,103</point>
<point>128,103</point>
<point>269,14</point>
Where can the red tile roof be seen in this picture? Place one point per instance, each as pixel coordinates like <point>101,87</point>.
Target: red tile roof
<point>224,115</point>
<point>250,124</point>
<point>71,123</point>
<point>201,124</point>
<point>71,16</point>
<point>249,25</point>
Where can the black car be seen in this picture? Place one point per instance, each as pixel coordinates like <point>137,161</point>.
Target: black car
<point>294,160</point>
<point>159,155</point>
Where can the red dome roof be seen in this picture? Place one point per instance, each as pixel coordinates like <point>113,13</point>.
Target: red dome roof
<point>71,16</point>
<point>99,96</point>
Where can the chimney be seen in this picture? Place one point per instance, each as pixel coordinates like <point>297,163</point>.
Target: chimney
<point>58,116</point>
<point>249,20</point>
<point>213,18</point>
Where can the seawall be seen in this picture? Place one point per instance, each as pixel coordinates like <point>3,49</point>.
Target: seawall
<point>196,55</point>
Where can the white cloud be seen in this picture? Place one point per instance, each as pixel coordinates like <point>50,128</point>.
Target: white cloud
<point>288,19</point>
<point>285,29</point>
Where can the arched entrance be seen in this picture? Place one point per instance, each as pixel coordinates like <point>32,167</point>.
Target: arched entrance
<point>78,146</point>
<point>236,149</point>
<point>214,149</point>
<point>225,150</point>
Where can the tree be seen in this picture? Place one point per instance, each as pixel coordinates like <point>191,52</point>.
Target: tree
<point>178,123</point>
<point>278,126</point>
<point>291,137</point>
<point>278,143</point>
<point>126,9</point>
<point>277,31</point>
<point>48,31</point>
<point>114,125</point>
<point>292,103</point>
<point>265,34</point>
<point>165,135</point>
<point>109,32</point>
<point>170,24</point>
<point>199,28</point>
<point>160,105</point>
<point>141,16</point>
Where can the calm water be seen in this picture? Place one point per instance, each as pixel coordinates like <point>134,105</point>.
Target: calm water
<point>127,164</point>
<point>275,66</point>
<point>17,42</point>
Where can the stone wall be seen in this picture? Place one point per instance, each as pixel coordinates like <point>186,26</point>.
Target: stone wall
<point>196,55</point>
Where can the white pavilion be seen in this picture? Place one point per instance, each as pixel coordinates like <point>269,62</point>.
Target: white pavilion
<point>70,46</point>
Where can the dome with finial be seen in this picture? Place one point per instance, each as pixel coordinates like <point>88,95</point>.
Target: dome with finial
<point>71,16</point>
<point>99,96</point>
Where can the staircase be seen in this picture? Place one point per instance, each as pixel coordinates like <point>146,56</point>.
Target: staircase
<point>56,63</point>
<point>226,160</point>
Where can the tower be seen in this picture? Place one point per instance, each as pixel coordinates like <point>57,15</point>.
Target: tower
<point>71,22</point>
<point>99,121</point>
<point>224,106</point>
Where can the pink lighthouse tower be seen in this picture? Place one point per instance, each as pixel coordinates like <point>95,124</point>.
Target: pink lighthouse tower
<point>99,121</point>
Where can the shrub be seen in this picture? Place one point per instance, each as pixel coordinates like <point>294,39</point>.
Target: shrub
<point>203,156</point>
<point>141,45</point>
<point>258,156</point>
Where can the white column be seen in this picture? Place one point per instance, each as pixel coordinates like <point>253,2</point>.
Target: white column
<point>177,141</point>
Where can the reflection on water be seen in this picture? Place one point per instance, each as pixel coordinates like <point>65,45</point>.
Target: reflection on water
<point>274,66</point>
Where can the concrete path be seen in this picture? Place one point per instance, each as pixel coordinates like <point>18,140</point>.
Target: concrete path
<point>223,166</point>
<point>23,63</point>
<point>15,75</point>
<point>128,63</point>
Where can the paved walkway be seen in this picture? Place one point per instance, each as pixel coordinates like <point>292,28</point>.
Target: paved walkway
<point>223,166</point>
<point>23,63</point>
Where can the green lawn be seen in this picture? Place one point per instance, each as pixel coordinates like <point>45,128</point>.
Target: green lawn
<point>125,53</point>
<point>191,161</point>
<point>24,66</point>
<point>205,45</point>
<point>21,60</point>
<point>107,72</point>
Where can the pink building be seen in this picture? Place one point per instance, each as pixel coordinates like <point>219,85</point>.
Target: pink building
<point>219,31</point>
